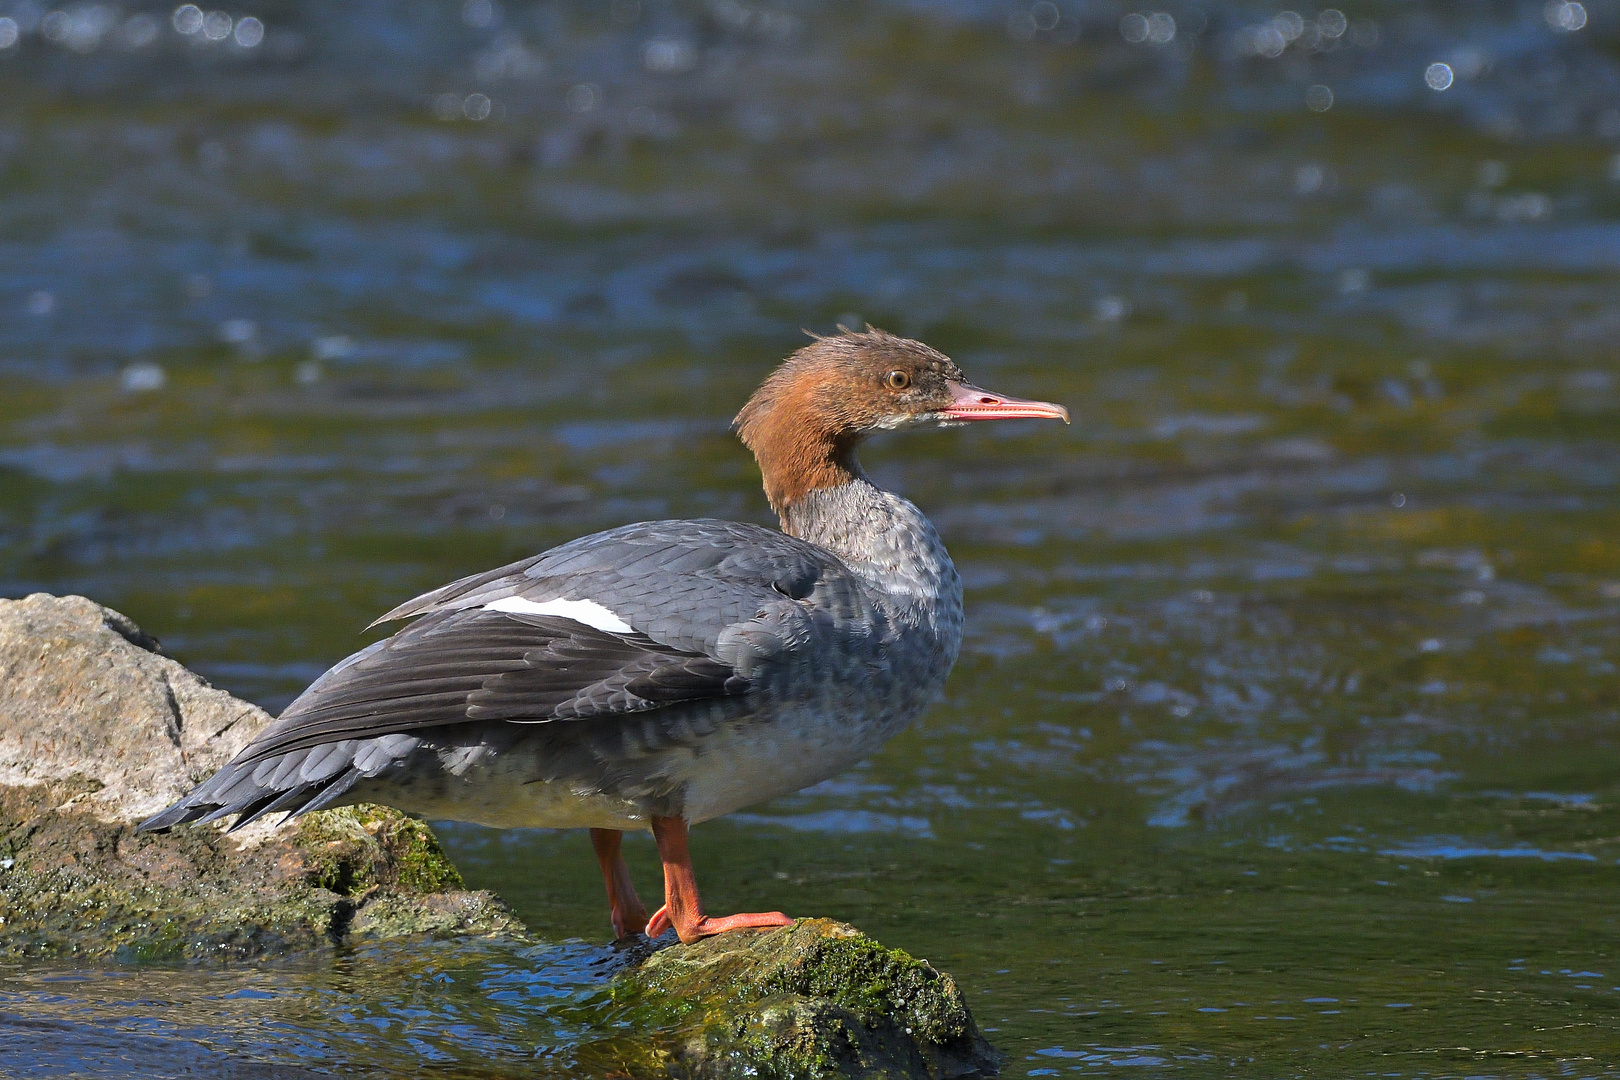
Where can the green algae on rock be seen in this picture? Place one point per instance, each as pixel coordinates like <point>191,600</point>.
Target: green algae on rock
<point>373,844</point>
<point>817,999</point>
<point>76,886</point>
<point>97,730</point>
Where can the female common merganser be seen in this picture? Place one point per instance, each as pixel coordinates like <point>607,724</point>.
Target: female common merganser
<point>662,673</point>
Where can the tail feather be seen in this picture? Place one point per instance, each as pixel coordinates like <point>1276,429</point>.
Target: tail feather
<point>297,799</point>
<point>299,781</point>
<point>248,811</point>
<point>338,788</point>
<point>164,820</point>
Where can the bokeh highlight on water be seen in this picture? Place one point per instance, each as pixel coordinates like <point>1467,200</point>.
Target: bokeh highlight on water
<point>1284,738</point>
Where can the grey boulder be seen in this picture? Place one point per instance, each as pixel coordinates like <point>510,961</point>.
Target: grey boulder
<point>85,693</point>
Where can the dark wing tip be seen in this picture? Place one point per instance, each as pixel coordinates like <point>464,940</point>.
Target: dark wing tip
<point>417,605</point>
<point>400,612</point>
<point>164,820</point>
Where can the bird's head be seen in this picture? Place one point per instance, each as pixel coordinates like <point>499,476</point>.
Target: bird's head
<point>805,420</point>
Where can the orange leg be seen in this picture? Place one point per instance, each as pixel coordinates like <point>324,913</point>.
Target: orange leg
<point>682,909</point>
<point>629,914</point>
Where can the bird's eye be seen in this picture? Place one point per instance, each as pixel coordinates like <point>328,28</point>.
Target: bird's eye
<point>897,380</point>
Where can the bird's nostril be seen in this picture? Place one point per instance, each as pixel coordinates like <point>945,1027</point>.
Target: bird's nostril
<point>988,401</point>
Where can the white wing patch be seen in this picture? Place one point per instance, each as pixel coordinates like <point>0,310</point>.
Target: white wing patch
<point>588,612</point>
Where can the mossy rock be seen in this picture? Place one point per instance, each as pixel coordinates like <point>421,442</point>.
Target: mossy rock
<point>814,1000</point>
<point>355,848</point>
<point>72,885</point>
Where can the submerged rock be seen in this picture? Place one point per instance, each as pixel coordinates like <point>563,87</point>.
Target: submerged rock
<point>815,999</point>
<point>98,730</point>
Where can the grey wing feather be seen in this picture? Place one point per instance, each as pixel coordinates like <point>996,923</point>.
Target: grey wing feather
<point>715,608</point>
<point>446,595</point>
<point>681,583</point>
<point>451,667</point>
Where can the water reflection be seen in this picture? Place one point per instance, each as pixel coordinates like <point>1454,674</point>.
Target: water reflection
<point>377,1008</point>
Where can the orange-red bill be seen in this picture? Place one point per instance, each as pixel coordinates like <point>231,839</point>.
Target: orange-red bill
<point>969,402</point>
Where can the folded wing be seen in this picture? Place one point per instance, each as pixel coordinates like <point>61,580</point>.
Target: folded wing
<point>623,622</point>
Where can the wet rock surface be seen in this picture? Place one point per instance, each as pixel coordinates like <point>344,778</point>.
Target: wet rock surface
<point>76,886</point>
<point>815,999</point>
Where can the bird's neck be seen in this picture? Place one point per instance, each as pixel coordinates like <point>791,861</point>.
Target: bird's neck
<point>797,459</point>
<point>818,489</point>
<point>884,539</point>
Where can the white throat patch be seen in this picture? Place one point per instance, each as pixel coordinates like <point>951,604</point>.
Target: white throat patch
<point>588,612</point>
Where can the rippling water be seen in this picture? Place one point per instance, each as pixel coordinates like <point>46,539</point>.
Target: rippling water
<point>1284,737</point>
